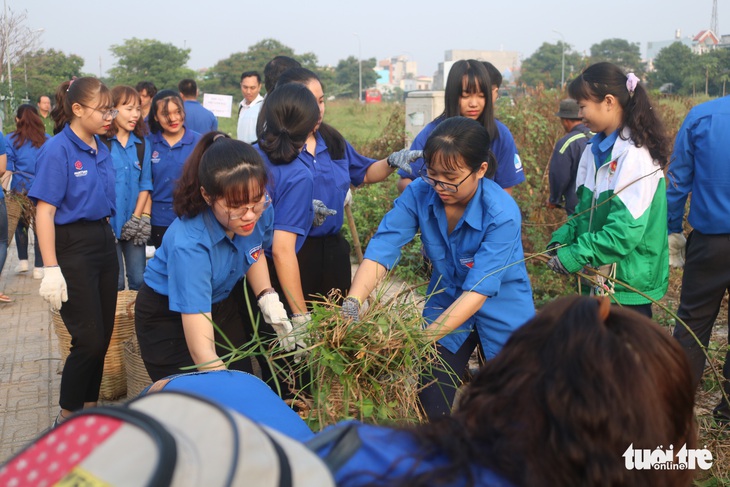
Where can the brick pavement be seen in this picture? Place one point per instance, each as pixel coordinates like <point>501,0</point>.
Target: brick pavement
<point>29,360</point>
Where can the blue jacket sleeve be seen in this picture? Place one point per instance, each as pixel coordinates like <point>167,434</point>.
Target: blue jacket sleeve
<point>397,228</point>
<point>145,182</point>
<point>680,176</point>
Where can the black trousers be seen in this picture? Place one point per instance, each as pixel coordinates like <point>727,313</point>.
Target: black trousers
<point>156,236</point>
<point>324,264</point>
<point>162,338</point>
<point>445,378</point>
<point>705,280</point>
<point>88,260</point>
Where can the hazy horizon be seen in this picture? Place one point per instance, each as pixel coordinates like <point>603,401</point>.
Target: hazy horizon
<point>378,29</point>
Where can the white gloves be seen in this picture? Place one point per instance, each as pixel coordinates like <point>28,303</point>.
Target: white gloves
<point>53,287</point>
<point>274,314</point>
<point>348,198</point>
<point>300,323</point>
<point>677,245</point>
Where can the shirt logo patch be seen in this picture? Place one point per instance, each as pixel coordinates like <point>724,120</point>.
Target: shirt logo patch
<point>255,252</point>
<point>469,262</point>
<point>518,163</point>
<point>155,157</point>
<point>78,165</point>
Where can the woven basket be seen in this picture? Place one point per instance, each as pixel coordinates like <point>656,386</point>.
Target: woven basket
<point>14,212</point>
<point>137,376</point>
<point>114,380</point>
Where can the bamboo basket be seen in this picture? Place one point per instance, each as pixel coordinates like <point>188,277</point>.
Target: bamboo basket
<point>114,380</point>
<point>14,212</point>
<point>137,377</point>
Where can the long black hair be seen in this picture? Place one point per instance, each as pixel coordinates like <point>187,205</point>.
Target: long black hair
<point>470,76</point>
<point>287,117</point>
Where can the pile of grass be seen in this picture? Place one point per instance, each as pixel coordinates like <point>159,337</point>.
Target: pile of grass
<point>367,369</point>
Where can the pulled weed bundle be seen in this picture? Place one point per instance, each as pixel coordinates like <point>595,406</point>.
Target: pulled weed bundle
<point>366,370</point>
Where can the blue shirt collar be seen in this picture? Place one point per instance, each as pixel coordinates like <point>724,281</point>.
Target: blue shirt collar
<point>187,138</point>
<point>133,139</point>
<point>101,148</point>
<point>215,229</point>
<point>601,146</point>
<point>321,145</point>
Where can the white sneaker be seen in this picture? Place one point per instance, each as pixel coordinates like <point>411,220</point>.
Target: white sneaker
<point>149,251</point>
<point>22,266</point>
<point>38,273</point>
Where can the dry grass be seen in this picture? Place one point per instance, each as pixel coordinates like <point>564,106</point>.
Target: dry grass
<point>366,370</point>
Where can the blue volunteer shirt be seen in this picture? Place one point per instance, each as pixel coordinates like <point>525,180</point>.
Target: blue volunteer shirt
<point>392,453</point>
<point>132,176</point>
<point>290,188</point>
<point>21,161</point>
<point>167,163</point>
<point>700,164</point>
<point>76,179</point>
<point>482,254</point>
<point>509,165</point>
<point>198,118</point>
<point>198,264</point>
<point>2,151</point>
<point>332,179</point>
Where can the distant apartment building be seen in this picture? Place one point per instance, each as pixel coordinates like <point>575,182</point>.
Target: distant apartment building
<point>704,41</point>
<point>508,62</point>
<point>400,72</point>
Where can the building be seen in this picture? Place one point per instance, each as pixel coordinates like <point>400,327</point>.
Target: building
<point>704,41</point>
<point>506,61</point>
<point>399,68</point>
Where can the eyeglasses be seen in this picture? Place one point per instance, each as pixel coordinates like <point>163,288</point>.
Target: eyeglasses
<point>109,114</point>
<point>240,212</point>
<point>450,187</point>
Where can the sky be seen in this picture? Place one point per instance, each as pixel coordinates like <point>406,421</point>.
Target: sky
<point>336,29</point>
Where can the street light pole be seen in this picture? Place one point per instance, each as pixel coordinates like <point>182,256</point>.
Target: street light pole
<point>359,65</point>
<point>562,62</point>
<point>7,49</point>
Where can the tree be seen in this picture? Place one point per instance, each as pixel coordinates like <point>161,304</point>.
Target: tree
<point>671,66</point>
<point>225,76</point>
<point>151,60</point>
<point>545,66</point>
<point>718,62</point>
<point>347,73</point>
<point>16,40</point>
<point>620,52</point>
<point>45,70</point>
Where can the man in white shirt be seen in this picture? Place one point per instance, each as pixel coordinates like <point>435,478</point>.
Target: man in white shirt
<point>248,110</point>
